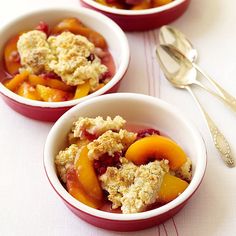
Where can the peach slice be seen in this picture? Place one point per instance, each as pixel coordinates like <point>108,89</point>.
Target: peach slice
<point>52,83</point>
<point>82,90</point>
<point>156,147</point>
<point>157,3</point>
<point>52,95</point>
<point>87,176</point>
<point>115,4</point>
<point>171,188</point>
<point>145,4</point>
<point>16,81</point>
<point>11,56</point>
<point>28,91</point>
<point>100,85</point>
<point>75,188</point>
<point>76,27</point>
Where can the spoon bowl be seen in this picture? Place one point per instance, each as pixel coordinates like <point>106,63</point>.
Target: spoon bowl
<point>187,75</point>
<point>170,35</point>
<point>182,50</point>
<point>179,73</point>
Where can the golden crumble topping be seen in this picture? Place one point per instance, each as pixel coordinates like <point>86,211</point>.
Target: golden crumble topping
<point>34,51</point>
<point>65,54</point>
<point>65,160</point>
<point>110,142</point>
<point>71,63</point>
<point>185,171</point>
<point>134,187</point>
<point>97,126</point>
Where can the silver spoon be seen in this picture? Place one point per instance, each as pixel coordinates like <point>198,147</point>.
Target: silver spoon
<point>170,35</point>
<point>174,77</point>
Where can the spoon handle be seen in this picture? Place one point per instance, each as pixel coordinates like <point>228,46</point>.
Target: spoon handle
<point>225,96</point>
<point>219,140</point>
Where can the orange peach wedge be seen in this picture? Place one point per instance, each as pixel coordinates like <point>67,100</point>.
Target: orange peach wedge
<point>156,147</point>
<point>145,4</point>
<point>114,4</point>
<point>75,188</point>
<point>75,26</point>
<point>87,176</point>
<point>157,3</point>
<point>82,90</point>
<point>14,83</point>
<point>171,188</point>
<point>28,91</point>
<point>52,83</point>
<point>52,95</point>
<point>11,56</point>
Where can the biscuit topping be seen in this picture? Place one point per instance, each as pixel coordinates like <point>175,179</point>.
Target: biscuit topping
<point>34,51</point>
<point>110,142</point>
<point>133,187</point>
<point>72,62</point>
<point>67,55</point>
<point>97,126</point>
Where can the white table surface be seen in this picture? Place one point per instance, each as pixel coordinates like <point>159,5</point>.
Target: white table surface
<point>29,206</point>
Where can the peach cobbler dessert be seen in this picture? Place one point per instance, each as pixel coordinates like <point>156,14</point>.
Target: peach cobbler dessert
<point>133,4</point>
<point>110,166</point>
<point>65,62</point>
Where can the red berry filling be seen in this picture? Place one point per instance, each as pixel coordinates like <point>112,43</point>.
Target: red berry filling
<point>104,161</point>
<point>147,132</point>
<point>42,26</point>
<point>15,56</point>
<point>50,75</point>
<point>91,57</point>
<point>89,136</point>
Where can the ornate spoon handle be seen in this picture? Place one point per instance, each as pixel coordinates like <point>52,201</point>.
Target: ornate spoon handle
<point>225,96</point>
<point>219,140</point>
